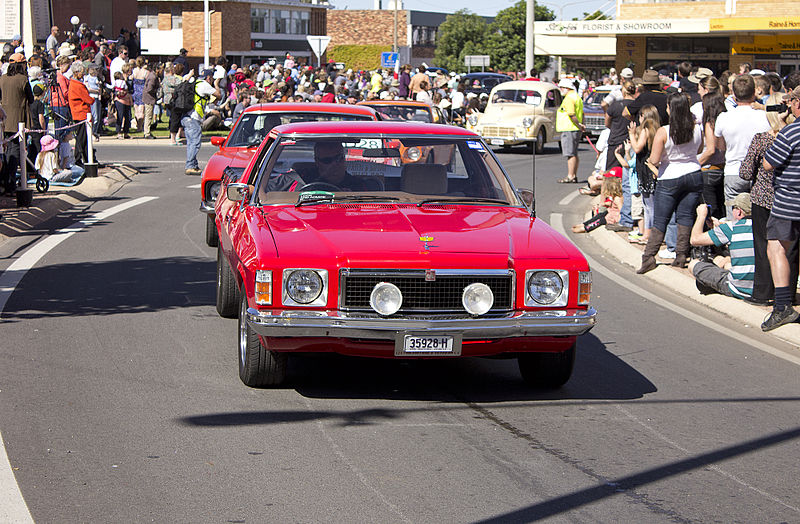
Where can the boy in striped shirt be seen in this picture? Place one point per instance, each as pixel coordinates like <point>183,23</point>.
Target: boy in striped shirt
<point>738,235</point>
<point>783,226</point>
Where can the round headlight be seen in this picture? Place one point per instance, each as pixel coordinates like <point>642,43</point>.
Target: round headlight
<point>386,298</point>
<point>545,286</point>
<point>213,190</point>
<point>527,121</point>
<point>413,154</point>
<point>477,298</point>
<point>304,286</point>
<point>473,120</point>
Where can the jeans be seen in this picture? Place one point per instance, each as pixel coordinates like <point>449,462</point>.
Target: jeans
<point>713,181</point>
<point>96,123</point>
<point>62,116</point>
<point>625,218</point>
<point>733,186</point>
<point>191,128</point>
<point>679,195</point>
<point>671,236</point>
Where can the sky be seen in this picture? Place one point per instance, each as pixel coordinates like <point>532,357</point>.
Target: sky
<point>573,9</point>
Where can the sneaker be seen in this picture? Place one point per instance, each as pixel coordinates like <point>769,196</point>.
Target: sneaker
<point>779,318</point>
<point>666,254</point>
<point>635,237</point>
<point>619,228</point>
<point>193,171</point>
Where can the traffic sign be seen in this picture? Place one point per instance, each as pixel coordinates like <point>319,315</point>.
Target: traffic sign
<point>389,59</point>
<point>318,44</point>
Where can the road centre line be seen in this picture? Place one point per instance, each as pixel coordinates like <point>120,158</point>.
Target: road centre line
<point>12,505</point>
<point>567,200</point>
<point>193,186</point>
<point>557,221</point>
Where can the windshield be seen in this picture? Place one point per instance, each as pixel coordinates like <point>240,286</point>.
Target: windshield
<point>408,169</point>
<point>516,96</point>
<point>400,112</point>
<point>253,127</point>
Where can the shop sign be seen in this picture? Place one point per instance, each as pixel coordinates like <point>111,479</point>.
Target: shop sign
<point>755,24</point>
<point>755,49</point>
<point>767,45</point>
<point>613,27</point>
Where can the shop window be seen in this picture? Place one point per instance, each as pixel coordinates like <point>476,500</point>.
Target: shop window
<point>148,16</point>
<point>177,17</point>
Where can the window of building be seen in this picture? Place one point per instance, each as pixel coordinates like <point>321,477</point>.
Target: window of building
<point>177,17</point>
<point>279,21</point>
<point>423,35</point>
<point>148,16</point>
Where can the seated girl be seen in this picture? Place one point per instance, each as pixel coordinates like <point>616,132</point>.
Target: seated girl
<point>608,211</point>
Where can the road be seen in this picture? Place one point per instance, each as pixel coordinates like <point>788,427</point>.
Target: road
<point>120,400</point>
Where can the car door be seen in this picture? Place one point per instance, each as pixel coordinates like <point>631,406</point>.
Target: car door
<point>552,101</point>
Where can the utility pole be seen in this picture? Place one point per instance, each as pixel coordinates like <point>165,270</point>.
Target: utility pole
<point>394,46</point>
<point>206,33</point>
<point>529,35</point>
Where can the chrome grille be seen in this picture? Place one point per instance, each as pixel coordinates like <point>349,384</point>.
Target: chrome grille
<point>498,132</point>
<point>440,295</point>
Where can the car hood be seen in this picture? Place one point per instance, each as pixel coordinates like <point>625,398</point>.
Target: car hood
<point>509,112</point>
<point>235,156</point>
<point>358,233</point>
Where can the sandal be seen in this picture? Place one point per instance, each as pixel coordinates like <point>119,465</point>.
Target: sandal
<point>568,180</point>
<point>587,191</point>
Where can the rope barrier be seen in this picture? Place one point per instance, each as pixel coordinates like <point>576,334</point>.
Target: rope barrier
<point>9,139</point>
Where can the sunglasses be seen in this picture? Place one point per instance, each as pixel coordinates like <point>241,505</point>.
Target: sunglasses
<point>331,159</point>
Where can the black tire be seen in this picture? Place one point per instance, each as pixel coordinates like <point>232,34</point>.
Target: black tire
<point>42,185</point>
<point>228,294</point>
<point>258,366</point>
<point>547,370</point>
<point>212,237</point>
<point>541,138</point>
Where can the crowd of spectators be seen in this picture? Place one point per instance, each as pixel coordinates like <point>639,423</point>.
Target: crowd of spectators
<point>712,164</point>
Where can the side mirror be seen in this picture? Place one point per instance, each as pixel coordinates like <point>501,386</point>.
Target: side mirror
<point>528,198</point>
<point>237,192</point>
<point>217,140</point>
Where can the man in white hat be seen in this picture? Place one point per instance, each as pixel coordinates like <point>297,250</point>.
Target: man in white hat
<point>569,122</point>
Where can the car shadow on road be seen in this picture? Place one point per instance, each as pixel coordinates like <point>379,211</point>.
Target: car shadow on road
<point>598,374</point>
<point>131,285</point>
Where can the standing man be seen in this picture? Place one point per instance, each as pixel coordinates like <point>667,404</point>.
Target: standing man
<point>783,226</point>
<point>413,85</point>
<point>15,99</point>
<point>149,95</point>
<point>51,44</point>
<point>193,121</point>
<point>120,60</point>
<point>734,131</point>
<point>651,94</point>
<point>569,122</point>
<point>181,59</point>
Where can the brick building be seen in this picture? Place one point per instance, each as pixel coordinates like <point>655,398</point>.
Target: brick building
<point>113,16</point>
<point>244,31</point>
<point>416,31</point>
<point>717,34</point>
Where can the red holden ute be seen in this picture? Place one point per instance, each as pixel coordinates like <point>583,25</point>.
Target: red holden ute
<point>253,125</point>
<point>330,243</point>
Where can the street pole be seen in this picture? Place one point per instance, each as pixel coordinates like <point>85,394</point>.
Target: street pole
<point>394,46</point>
<point>207,34</point>
<point>529,33</point>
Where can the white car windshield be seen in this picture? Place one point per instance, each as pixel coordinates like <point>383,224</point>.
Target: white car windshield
<point>253,127</point>
<point>407,169</point>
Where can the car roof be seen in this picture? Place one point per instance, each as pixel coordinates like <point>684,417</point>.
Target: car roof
<point>393,128</point>
<point>526,84</point>
<point>407,103</point>
<point>484,75</point>
<point>308,107</point>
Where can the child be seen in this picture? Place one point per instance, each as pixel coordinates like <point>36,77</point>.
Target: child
<point>47,162</point>
<point>66,157</point>
<point>608,212</point>
<point>626,156</point>
<point>595,180</point>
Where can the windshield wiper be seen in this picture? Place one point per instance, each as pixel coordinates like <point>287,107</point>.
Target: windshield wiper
<point>326,197</point>
<point>463,199</point>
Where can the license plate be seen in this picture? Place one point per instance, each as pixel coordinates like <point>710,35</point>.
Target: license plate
<point>497,142</point>
<point>428,345</point>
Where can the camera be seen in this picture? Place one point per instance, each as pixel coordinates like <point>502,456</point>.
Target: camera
<point>778,108</point>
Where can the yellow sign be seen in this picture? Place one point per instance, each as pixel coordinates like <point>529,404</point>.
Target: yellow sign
<point>755,24</point>
<point>766,45</point>
<point>755,49</point>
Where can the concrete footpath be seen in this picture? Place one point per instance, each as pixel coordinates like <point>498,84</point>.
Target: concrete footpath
<point>681,281</point>
<point>19,220</point>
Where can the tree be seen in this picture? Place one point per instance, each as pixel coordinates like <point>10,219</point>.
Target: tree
<point>461,34</point>
<point>597,15</point>
<point>506,39</point>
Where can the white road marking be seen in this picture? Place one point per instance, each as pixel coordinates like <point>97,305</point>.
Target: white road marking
<point>567,200</point>
<point>12,504</point>
<point>194,186</point>
<point>556,220</point>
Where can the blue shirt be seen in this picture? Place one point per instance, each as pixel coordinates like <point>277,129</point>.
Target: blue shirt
<point>784,156</point>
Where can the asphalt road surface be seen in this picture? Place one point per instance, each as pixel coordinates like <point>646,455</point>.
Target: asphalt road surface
<point>120,399</point>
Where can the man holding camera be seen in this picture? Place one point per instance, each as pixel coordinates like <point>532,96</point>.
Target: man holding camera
<point>783,226</point>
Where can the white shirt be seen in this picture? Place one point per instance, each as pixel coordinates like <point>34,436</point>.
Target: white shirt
<point>738,126</point>
<point>679,160</point>
<point>457,98</point>
<point>424,96</point>
<point>697,111</point>
<point>116,66</point>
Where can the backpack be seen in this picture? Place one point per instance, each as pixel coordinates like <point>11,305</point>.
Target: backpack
<point>183,97</point>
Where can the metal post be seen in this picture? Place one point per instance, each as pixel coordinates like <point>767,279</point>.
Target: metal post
<point>394,46</point>
<point>89,137</point>
<point>206,33</point>
<point>529,32</point>
<point>23,156</point>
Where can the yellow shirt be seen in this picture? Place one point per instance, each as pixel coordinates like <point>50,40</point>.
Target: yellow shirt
<point>571,105</point>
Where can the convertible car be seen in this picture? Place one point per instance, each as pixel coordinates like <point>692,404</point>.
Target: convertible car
<point>328,242</point>
<point>255,122</point>
<point>406,110</point>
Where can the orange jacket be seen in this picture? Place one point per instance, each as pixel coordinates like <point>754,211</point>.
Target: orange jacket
<point>80,101</point>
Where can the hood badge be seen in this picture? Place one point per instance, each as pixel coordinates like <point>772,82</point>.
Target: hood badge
<point>430,275</point>
<point>425,241</point>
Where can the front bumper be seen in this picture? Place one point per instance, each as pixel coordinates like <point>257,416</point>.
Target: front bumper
<point>207,207</point>
<point>294,323</point>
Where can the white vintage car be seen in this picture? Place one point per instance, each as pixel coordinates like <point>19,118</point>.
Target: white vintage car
<point>520,112</point>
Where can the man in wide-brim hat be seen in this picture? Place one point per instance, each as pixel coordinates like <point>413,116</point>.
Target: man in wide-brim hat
<point>652,94</point>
